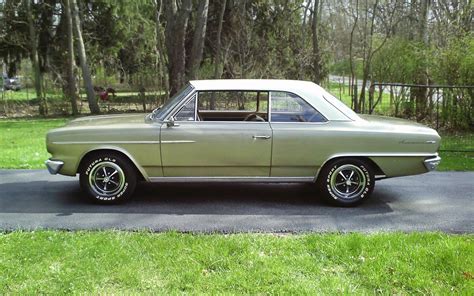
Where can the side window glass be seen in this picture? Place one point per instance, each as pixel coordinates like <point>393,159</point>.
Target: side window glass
<point>187,112</point>
<point>255,101</point>
<point>288,107</point>
<point>233,105</point>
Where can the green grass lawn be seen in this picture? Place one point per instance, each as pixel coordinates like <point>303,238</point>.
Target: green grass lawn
<point>55,262</point>
<point>342,93</point>
<point>457,161</point>
<point>29,94</point>
<point>22,142</point>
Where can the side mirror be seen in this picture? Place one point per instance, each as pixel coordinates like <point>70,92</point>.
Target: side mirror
<point>171,122</point>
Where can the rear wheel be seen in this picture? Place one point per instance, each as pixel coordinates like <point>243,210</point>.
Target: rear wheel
<point>108,178</point>
<point>346,182</point>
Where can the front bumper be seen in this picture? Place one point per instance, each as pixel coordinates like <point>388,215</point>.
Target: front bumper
<point>54,166</point>
<point>432,163</point>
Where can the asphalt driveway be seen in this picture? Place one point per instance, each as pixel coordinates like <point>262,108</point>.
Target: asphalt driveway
<point>439,201</point>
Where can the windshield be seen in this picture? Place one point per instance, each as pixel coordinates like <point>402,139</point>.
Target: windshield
<point>161,112</point>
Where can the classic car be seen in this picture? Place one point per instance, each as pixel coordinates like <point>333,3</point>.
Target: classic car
<point>243,131</point>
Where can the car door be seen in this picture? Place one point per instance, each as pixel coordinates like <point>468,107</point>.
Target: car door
<point>197,148</point>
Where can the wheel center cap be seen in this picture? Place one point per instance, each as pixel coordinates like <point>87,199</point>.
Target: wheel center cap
<point>348,182</point>
<point>106,179</point>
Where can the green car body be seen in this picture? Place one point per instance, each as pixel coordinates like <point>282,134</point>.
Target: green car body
<point>164,149</point>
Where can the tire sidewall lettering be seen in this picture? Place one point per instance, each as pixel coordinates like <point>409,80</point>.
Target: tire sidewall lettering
<point>96,161</point>
<point>91,165</point>
<point>362,195</point>
<point>117,196</point>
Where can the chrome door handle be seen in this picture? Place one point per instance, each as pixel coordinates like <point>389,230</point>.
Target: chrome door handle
<point>262,137</point>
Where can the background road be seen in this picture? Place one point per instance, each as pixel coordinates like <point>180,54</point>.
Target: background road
<point>443,201</point>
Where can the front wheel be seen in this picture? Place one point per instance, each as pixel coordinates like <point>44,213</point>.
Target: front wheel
<point>346,182</point>
<point>108,178</point>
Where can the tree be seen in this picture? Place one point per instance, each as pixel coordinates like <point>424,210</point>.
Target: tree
<point>317,62</point>
<point>86,74</point>
<point>14,35</point>
<point>218,53</point>
<point>369,28</point>
<point>71,82</point>
<point>33,43</point>
<point>352,84</point>
<point>160,46</point>
<point>175,36</point>
<point>198,39</point>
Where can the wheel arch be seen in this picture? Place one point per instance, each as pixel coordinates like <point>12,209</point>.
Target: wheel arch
<point>378,172</point>
<point>117,150</point>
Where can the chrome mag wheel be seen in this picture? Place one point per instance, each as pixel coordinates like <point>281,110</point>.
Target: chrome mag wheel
<point>106,179</point>
<point>348,181</point>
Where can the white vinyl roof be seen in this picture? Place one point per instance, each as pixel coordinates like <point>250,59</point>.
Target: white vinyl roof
<point>327,104</point>
<point>250,84</point>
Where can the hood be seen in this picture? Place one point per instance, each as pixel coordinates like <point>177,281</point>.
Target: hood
<point>103,120</point>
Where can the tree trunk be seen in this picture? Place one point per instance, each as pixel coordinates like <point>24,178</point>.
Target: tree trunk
<point>367,59</point>
<point>217,58</point>
<point>303,41</point>
<point>198,39</point>
<point>160,48</point>
<point>317,66</point>
<point>421,93</point>
<point>352,87</point>
<point>71,81</point>
<point>86,74</point>
<point>175,35</point>
<point>38,79</point>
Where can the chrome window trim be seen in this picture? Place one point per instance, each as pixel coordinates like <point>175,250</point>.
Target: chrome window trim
<point>178,106</point>
<point>329,102</point>
<point>290,122</point>
<point>237,90</point>
<point>187,100</point>
<point>289,92</point>
<point>167,115</point>
<point>196,108</point>
<point>196,92</point>
<point>232,122</point>
<point>269,115</point>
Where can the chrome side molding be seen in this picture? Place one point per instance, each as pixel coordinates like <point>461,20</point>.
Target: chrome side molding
<point>417,142</point>
<point>234,179</point>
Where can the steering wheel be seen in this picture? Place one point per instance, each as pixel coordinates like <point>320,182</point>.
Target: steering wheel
<point>253,117</point>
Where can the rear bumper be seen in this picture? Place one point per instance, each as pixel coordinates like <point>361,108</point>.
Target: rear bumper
<point>54,166</point>
<point>432,163</point>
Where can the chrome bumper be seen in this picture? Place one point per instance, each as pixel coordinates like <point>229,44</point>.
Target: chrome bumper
<point>54,166</point>
<point>432,163</point>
